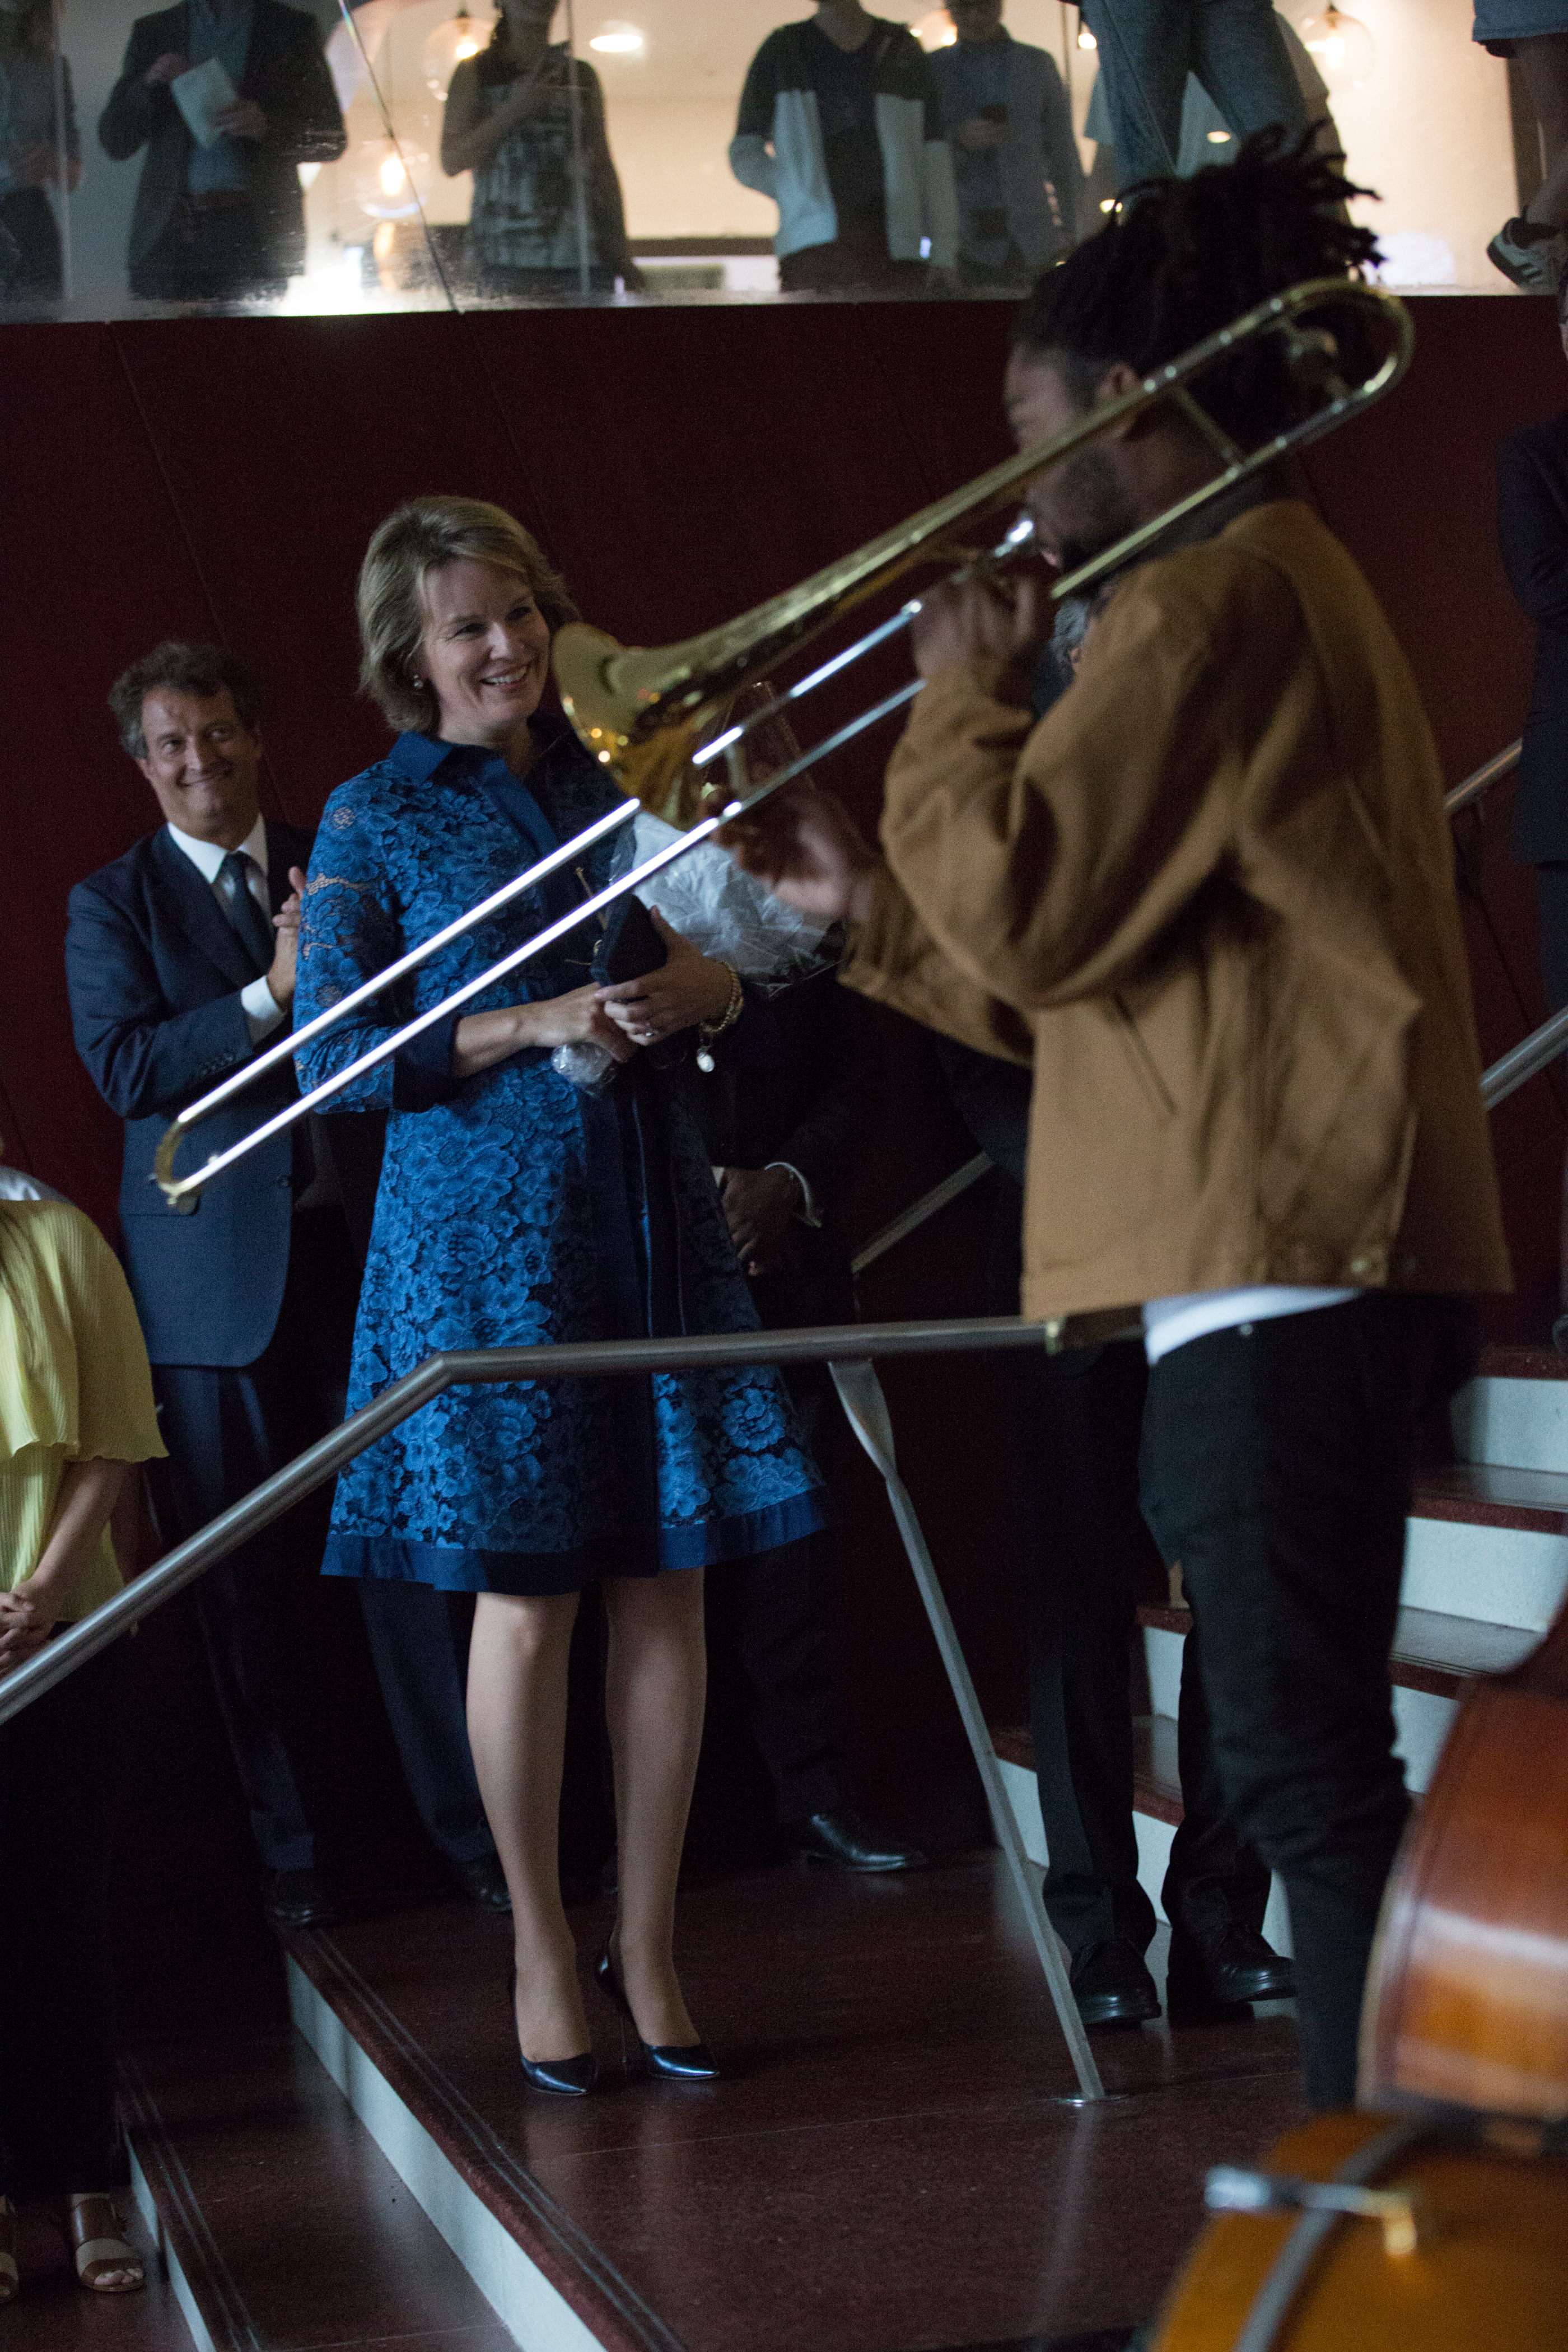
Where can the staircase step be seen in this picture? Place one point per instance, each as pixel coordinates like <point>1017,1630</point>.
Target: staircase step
<point>1495,1495</point>
<point>1432,1650</point>
<point>278,2220</point>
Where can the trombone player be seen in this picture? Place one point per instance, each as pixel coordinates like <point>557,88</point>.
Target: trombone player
<point>1209,899</point>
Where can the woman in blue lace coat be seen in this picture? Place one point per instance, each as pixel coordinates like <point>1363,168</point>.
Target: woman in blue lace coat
<point>515,1208</point>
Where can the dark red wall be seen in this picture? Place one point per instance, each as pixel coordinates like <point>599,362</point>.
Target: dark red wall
<point>220,478</point>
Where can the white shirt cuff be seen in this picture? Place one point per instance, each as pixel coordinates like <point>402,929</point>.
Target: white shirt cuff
<point>808,1213</point>
<point>262,1010</point>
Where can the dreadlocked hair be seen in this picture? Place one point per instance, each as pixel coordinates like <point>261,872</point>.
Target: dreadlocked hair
<point>1181,258</point>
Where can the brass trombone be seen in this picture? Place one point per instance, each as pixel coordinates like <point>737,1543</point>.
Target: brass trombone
<point>656,719</point>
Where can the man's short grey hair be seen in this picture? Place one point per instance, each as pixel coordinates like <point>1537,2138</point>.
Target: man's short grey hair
<point>177,667</point>
<point>417,540</point>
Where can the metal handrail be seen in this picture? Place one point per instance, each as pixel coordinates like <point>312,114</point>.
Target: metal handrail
<point>473,1367</point>
<point>1533,1052</point>
<point>1502,764</point>
<point>913,1218</point>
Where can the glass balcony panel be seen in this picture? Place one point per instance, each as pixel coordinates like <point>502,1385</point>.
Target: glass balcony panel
<point>1439,127</point>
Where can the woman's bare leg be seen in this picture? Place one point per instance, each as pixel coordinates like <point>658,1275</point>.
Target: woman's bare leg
<point>517,1729</point>
<point>654,1695</point>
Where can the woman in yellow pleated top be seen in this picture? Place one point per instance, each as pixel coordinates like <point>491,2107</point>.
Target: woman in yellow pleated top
<point>76,1411</point>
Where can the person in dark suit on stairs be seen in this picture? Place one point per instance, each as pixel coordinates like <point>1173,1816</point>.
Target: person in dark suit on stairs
<point>180,963</point>
<point>1532,533</point>
<point>793,1082</point>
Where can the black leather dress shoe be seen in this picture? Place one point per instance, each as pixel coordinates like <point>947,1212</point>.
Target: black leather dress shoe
<point>844,1840</point>
<point>297,1898</point>
<point>1224,1972</point>
<point>483,1882</point>
<point>1111,1986</point>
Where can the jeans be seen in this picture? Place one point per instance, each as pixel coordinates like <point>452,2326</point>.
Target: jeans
<point>1148,48</point>
<point>1277,1468</point>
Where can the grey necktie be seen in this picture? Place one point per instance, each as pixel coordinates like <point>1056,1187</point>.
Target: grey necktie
<point>234,889</point>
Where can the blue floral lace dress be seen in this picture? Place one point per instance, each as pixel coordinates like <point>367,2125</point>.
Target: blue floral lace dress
<point>515,1209</point>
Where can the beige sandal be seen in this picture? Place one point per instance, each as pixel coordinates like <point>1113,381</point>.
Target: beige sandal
<point>10,2277</point>
<point>105,2263</point>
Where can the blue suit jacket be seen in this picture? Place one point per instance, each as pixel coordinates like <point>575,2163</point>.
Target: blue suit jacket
<point>155,970</point>
<point>1532,531</point>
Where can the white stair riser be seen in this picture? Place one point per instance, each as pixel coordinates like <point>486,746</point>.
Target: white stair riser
<point>1154,1850</point>
<point>1421,1720</point>
<point>1518,1424</point>
<point>1509,1576</point>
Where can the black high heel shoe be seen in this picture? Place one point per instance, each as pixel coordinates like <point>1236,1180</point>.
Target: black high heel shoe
<point>673,2062</point>
<point>569,2078</point>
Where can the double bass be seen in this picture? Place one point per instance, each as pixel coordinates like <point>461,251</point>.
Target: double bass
<point>1435,2216</point>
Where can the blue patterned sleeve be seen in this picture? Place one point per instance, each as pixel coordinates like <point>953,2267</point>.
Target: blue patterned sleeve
<point>348,930</point>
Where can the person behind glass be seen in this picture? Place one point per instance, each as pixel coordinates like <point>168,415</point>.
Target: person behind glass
<point>1532,533</point>
<point>223,222</point>
<point>180,961</point>
<point>1146,50</point>
<point>76,1414</point>
<point>517,1209</point>
<point>509,120</point>
<point>793,1082</point>
<point>840,125</point>
<point>1532,247</point>
<point>1015,159</point>
<point>35,109</point>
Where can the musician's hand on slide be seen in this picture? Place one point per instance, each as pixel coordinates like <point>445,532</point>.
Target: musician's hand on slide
<point>688,987</point>
<point>980,618</point>
<point>804,849</point>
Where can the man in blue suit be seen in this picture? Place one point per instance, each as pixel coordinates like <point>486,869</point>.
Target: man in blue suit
<point>180,962</point>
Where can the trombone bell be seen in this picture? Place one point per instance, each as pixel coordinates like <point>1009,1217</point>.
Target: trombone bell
<point>653,767</point>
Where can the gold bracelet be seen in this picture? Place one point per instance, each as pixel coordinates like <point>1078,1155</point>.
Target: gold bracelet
<point>708,1030</point>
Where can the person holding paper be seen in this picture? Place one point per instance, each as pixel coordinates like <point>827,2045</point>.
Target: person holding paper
<point>227,98</point>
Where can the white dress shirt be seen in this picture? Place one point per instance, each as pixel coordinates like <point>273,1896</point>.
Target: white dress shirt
<point>262,1011</point>
<point>1170,1322</point>
<point>15,1186</point>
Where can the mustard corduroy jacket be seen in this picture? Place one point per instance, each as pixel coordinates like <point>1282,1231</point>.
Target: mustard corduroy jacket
<point>1210,898</point>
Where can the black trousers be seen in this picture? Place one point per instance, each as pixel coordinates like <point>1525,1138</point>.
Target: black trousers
<point>1086,1545</point>
<point>227,1430</point>
<point>30,264</point>
<point>60,1762</point>
<point>218,256</point>
<point>1277,1468</point>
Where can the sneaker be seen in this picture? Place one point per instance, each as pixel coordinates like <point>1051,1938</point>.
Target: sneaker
<point>1528,254</point>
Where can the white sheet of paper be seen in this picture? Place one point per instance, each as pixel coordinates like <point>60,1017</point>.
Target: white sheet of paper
<point>201,94</point>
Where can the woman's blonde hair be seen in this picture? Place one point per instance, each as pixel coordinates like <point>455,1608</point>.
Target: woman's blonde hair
<point>419,540</point>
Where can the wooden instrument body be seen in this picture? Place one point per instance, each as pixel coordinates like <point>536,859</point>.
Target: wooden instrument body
<point>1494,2279</point>
<point>1467,1999</point>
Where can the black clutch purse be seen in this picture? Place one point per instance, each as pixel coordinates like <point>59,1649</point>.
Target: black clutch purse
<point>628,945</point>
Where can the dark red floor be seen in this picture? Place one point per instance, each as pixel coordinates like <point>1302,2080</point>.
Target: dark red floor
<point>885,2166</point>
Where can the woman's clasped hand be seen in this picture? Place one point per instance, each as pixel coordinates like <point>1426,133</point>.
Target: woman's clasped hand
<point>687,988</point>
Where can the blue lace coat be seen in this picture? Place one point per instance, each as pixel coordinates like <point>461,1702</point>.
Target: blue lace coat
<point>514,1209</point>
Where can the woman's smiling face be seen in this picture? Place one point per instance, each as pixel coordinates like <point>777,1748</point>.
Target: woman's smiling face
<point>485,651</point>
